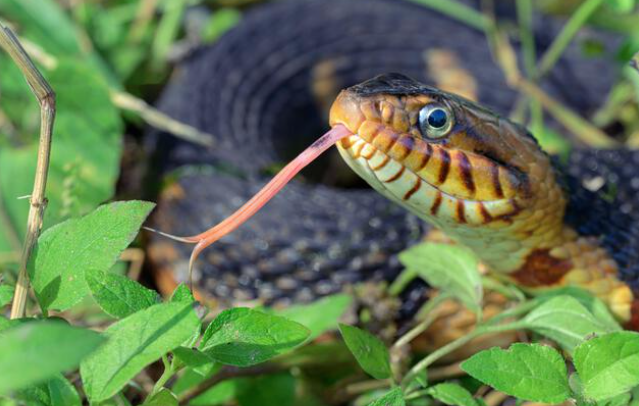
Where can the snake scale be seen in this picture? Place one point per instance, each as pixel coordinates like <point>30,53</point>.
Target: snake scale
<point>264,91</point>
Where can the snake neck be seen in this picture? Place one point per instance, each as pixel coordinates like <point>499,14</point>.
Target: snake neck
<point>540,247</point>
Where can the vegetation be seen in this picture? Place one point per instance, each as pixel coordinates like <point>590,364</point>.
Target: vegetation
<point>96,335</point>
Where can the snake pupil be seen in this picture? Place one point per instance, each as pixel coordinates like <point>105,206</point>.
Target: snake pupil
<point>437,118</point>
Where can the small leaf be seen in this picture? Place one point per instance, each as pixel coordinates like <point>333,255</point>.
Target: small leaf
<point>163,398</point>
<point>182,294</point>
<point>608,365</point>
<point>56,392</point>
<point>320,316</point>
<point>95,242</point>
<point>528,371</point>
<point>118,295</point>
<point>192,357</point>
<point>369,351</point>
<point>564,320</point>
<point>452,394</point>
<point>450,268</point>
<point>244,337</point>
<point>393,398</point>
<point>594,305</point>
<point>33,352</point>
<point>6,294</point>
<point>133,343</point>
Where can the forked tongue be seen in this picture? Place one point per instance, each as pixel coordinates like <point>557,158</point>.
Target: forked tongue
<point>262,197</point>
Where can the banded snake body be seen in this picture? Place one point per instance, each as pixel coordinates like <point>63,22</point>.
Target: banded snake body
<point>262,91</point>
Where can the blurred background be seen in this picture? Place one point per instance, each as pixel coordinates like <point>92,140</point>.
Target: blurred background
<point>111,61</point>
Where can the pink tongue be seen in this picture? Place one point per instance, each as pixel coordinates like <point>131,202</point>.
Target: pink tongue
<point>262,197</point>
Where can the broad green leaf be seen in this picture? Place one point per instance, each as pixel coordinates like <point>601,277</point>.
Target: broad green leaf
<point>594,305</point>
<point>163,398</point>
<point>182,294</point>
<point>393,398</point>
<point>369,351</point>
<point>56,392</point>
<point>118,295</point>
<point>452,394</point>
<point>564,320</point>
<point>608,365</point>
<point>320,316</point>
<point>95,241</point>
<point>6,294</point>
<point>244,337</point>
<point>527,371</point>
<point>133,343</point>
<point>267,390</point>
<point>450,268</point>
<point>36,351</point>
<point>85,157</point>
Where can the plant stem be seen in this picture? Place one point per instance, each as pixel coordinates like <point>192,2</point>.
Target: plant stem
<point>46,97</point>
<point>460,342</point>
<point>583,130</point>
<point>458,11</point>
<point>431,315</point>
<point>168,372</point>
<point>568,32</point>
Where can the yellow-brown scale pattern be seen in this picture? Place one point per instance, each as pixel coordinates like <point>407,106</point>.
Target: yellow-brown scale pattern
<point>486,184</point>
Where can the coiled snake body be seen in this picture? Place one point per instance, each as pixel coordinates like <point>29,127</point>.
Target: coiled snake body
<point>264,89</point>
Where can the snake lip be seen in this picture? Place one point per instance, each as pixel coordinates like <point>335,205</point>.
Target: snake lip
<point>393,179</point>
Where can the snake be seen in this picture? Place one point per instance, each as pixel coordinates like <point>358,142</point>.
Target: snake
<point>432,158</point>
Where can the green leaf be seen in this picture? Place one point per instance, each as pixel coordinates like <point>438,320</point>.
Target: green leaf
<point>56,392</point>
<point>193,358</point>
<point>450,268</point>
<point>85,157</point>
<point>66,251</point>
<point>182,294</point>
<point>452,394</point>
<point>594,305</point>
<point>393,398</point>
<point>163,398</point>
<point>608,365</point>
<point>564,320</point>
<point>6,294</point>
<point>267,390</point>
<point>133,343</point>
<point>369,351</point>
<point>243,337</point>
<point>320,316</point>
<point>39,350</point>
<point>528,371</point>
<point>622,6</point>
<point>118,295</point>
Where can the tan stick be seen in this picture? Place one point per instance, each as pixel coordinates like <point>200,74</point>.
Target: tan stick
<point>46,97</point>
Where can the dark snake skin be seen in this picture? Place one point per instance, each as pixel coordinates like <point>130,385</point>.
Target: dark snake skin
<point>256,91</point>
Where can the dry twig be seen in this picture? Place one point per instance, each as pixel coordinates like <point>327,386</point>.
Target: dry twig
<point>46,97</point>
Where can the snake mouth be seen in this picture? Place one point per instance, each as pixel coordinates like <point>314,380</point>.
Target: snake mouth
<point>399,181</point>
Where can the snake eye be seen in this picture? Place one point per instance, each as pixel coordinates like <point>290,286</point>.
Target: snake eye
<point>435,121</point>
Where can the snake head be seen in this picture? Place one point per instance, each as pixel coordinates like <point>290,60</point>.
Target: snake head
<point>450,161</point>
